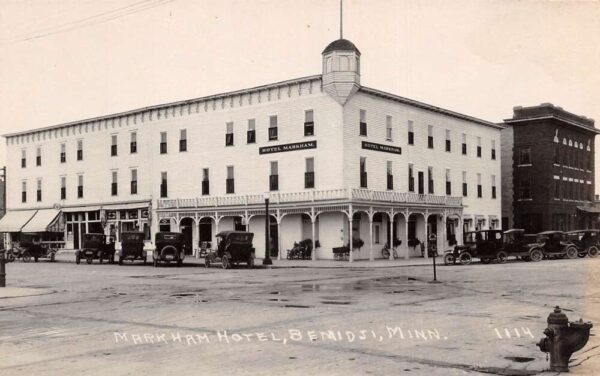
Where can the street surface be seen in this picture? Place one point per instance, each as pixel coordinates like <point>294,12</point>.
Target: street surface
<point>66,319</point>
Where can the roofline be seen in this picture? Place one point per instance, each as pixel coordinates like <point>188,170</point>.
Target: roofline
<point>166,105</point>
<point>547,117</point>
<point>428,107</point>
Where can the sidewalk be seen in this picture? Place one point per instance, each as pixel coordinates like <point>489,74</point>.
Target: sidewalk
<point>19,292</point>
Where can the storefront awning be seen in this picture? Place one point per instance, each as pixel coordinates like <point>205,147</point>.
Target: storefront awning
<point>81,209</point>
<point>589,209</point>
<point>127,206</point>
<point>46,220</point>
<point>13,221</point>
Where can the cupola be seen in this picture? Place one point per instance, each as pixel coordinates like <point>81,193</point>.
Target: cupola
<point>341,70</point>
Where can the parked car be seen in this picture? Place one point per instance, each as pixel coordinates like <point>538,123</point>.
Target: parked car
<point>132,247</point>
<point>586,241</point>
<point>483,244</point>
<point>516,243</point>
<point>552,244</point>
<point>28,250</point>
<point>95,247</point>
<point>169,247</point>
<point>233,247</point>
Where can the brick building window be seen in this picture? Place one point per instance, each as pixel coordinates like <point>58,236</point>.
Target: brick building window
<point>164,189</point>
<point>133,184</point>
<point>182,140</point>
<point>133,142</point>
<point>556,154</point>
<point>274,177</point>
<point>113,145</point>
<point>309,123</point>
<point>230,182</point>
<point>430,137</point>
<point>23,191</point>
<point>411,133</point>
<point>229,134</point>
<point>464,144</point>
<point>163,143</point>
<point>309,174</point>
<point>63,187</point>
<point>63,153</point>
<point>23,158</point>
<point>363,172</point>
<point>493,186</point>
<point>525,189</point>
<point>448,183</point>
<point>430,186</point>
<point>273,134</point>
<point>38,156</point>
<point>448,141</point>
<point>79,186</point>
<point>39,190</point>
<point>557,188</point>
<point>205,182</point>
<point>114,184</point>
<point>363,123</point>
<point>465,188</point>
<point>411,178</point>
<point>390,176</point>
<point>251,132</point>
<point>525,156</point>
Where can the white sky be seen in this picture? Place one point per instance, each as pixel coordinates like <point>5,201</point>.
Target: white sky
<point>65,60</point>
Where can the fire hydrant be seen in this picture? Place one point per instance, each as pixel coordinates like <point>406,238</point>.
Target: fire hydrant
<point>563,338</point>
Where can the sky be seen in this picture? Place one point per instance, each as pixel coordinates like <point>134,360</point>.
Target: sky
<point>66,60</point>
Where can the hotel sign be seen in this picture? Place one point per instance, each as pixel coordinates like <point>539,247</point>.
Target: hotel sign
<point>380,147</point>
<point>288,147</point>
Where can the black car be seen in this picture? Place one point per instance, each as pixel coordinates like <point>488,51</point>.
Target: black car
<point>233,247</point>
<point>132,247</point>
<point>169,248</point>
<point>553,244</point>
<point>483,244</point>
<point>517,243</point>
<point>35,250</point>
<point>586,241</point>
<point>95,247</point>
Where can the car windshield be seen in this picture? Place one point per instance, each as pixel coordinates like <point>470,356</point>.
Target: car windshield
<point>470,237</point>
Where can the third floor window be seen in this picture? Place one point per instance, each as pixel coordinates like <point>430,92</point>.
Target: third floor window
<point>229,134</point>
<point>38,156</point>
<point>133,143</point>
<point>251,133</point>
<point>183,140</point>
<point>163,142</point>
<point>273,134</point>
<point>363,123</point>
<point>113,145</point>
<point>63,153</point>
<point>309,123</point>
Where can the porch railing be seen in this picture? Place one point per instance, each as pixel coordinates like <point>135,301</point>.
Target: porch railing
<point>354,194</point>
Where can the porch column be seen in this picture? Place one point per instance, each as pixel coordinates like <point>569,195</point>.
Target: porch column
<point>279,236</point>
<point>406,255</point>
<point>350,215</point>
<point>444,241</point>
<point>195,237</point>
<point>313,219</point>
<point>391,234</point>
<point>426,241</point>
<point>370,238</point>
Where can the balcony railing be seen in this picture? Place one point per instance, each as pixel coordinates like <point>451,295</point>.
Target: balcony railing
<point>340,195</point>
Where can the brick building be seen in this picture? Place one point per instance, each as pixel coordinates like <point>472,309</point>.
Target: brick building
<point>547,170</point>
<point>341,161</point>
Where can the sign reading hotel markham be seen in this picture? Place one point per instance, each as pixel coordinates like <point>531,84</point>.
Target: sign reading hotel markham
<point>288,147</point>
<point>380,147</point>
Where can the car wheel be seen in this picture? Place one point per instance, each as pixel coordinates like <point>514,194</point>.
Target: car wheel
<point>502,257</point>
<point>10,257</point>
<point>89,261</point>
<point>26,256</point>
<point>120,260</point>
<point>225,262</point>
<point>536,255</point>
<point>581,255</point>
<point>465,258</point>
<point>448,259</point>
<point>593,251</point>
<point>572,252</point>
<point>206,262</point>
<point>77,259</point>
<point>250,263</point>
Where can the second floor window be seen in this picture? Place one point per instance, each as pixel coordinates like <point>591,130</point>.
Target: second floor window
<point>133,143</point>
<point>363,172</point>
<point>163,142</point>
<point>229,134</point>
<point>183,140</point>
<point>525,156</point>
<point>309,123</point>
<point>390,176</point>
<point>251,134</point>
<point>113,145</point>
<point>23,158</point>
<point>39,190</point>
<point>230,182</point>
<point>79,186</point>
<point>164,189</point>
<point>38,157</point>
<point>274,177</point>
<point>113,185</point>
<point>465,190</point>
<point>309,174</point>
<point>63,187</point>
<point>479,188</point>
<point>494,186</point>
<point>411,178</point>
<point>63,153</point>
<point>273,135</point>
<point>430,186</point>
<point>80,150</point>
<point>411,133</point>
<point>363,123</point>
<point>205,182</point>
<point>430,137</point>
<point>448,183</point>
<point>133,184</point>
<point>24,191</point>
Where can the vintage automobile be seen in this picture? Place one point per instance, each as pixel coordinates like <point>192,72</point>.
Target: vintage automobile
<point>28,250</point>
<point>517,243</point>
<point>586,241</point>
<point>169,247</point>
<point>552,244</point>
<point>483,244</point>
<point>132,247</point>
<point>95,247</point>
<point>233,247</point>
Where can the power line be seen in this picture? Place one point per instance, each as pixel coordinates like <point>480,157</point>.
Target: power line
<point>91,20</point>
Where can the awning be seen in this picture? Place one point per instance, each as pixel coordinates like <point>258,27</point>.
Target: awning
<point>13,221</point>
<point>46,220</point>
<point>81,209</point>
<point>589,209</point>
<point>127,206</point>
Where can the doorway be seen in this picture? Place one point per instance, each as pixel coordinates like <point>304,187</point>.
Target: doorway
<point>186,230</point>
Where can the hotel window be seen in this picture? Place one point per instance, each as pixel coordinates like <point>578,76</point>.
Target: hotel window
<point>229,134</point>
<point>478,147</point>
<point>363,123</point>
<point>63,187</point>
<point>411,133</point>
<point>133,143</point>
<point>133,184</point>
<point>79,186</point>
<point>205,182</point>
<point>38,156</point>
<point>390,176</point>
<point>163,142</point>
<point>309,175</point>
<point>113,145</point>
<point>493,186</point>
<point>63,153</point>
<point>493,149</point>
<point>273,128</point>
<point>525,189</point>
<point>363,172</point>
<point>479,188</point>
<point>251,133</point>
<point>23,158</point>
<point>525,156</point>
<point>430,187</point>
<point>164,189</point>
<point>39,190</point>
<point>448,183</point>
<point>23,191</point>
<point>230,182</point>
<point>113,185</point>
<point>274,177</point>
<point>430,137</point>
<point>464,144</point>
<point>80,150</point>
<point>411,178</point>
<point>448,142</point>
<point>183,140</point>
<point>465,188</point>
<point>309,123</point>
<point>388,128</point>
